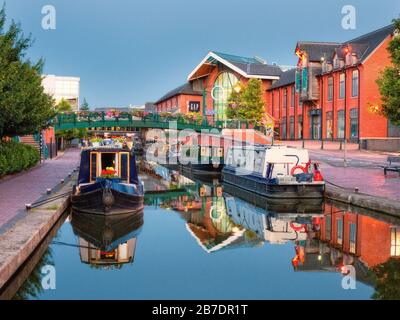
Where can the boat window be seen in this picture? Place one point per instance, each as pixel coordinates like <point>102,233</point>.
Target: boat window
<point>107,160</point>
<point>93,166</point>
<point>229,157</point>
<point>259,157</point>
<point>124,166</point>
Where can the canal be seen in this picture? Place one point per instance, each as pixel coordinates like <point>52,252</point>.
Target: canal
<point>204,240</point>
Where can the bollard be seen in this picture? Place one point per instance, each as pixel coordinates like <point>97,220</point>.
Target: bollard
<point>28,206</point>
<point>48,191</point>
<point>356,189</point>
<point>62,180</point>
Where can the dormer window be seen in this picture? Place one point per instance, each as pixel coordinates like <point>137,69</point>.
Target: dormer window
<point>324,67</point>
<point>349,59</point>
<point>335,63</point>
<point>354,58</point>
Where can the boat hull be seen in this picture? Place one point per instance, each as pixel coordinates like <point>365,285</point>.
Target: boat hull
<point>207,171</point>
<point>262,187</point>
<point>92,202</point>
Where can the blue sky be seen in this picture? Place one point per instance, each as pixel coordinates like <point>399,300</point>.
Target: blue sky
<point>133,51</point>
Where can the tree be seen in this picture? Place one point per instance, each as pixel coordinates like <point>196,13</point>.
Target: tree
<point>386,277</point>
<point>252,99</point>
<point>234,102</point>
<point>63,106</point>
<point>24,107</point>
<point>248,104</point>
<point>389,81</point>
<point>84,105</point>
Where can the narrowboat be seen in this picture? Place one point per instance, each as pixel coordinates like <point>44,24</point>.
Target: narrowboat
<point>202,162</point>
<point>275,172</point>
<point>108,182</point>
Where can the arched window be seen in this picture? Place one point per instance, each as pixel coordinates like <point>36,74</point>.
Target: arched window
<point>222,89</point>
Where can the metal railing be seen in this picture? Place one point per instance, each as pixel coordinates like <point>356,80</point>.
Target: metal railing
<point>66,121</point>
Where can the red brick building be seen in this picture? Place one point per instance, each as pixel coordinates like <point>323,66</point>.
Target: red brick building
<point>332,94</point>
<point>373,241</point>
<point>211,82</point>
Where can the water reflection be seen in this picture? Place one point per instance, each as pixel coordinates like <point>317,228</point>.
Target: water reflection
<point>325,236</point>
<point>106,241</point>
<point>306,237</point>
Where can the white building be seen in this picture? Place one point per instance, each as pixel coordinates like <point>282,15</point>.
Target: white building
<point>66,88</point>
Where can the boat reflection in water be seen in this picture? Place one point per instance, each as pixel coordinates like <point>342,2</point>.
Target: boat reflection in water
<point>326,236</point>
<point>106,241</point>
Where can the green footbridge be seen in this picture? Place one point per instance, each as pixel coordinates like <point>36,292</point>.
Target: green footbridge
<point>95,120</point>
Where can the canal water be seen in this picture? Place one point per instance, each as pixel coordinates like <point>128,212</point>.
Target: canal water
<point>204,240</point>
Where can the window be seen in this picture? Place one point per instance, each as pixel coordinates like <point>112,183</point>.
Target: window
<point>354,84</point>
<point>329,127</point>
<point>330,89</point>
<point>395,242</point>
<point>284,97</point>
<point>291,127</point>
<point>342,86</point>
<point>221,91</point>
<point>328,227</point>
<point>354,123</point>
<point>284,136</point>
<point>300,127</point>
<point>293,97</point>
<point>339,231</point>
<point>340,124</point>
<point>353,237</point>
<point>393,130</point>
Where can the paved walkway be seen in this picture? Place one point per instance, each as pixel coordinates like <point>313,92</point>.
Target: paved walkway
<point>363,168</point>
<point>27,187</point>
<point>368,180</point>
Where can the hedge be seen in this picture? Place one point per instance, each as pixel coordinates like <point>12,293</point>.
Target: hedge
<point>16,157</point>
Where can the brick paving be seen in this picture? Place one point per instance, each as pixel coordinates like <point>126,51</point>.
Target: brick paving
<point>369,180</point>
<point>363,168</point>
<point>27,187</point>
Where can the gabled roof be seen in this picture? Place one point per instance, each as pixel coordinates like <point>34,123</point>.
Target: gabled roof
<point>362,46</point>
<point>247,67</point>
<point>183,89</point>
<point>288,77</point>
<point>367,43</point>
<point>316,50</point>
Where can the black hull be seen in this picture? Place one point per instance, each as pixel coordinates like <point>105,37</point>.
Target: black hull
<point>92,203</point>
<point>101,230</point>
<point>275,206</point>
<point>274,191</point>
<point>202,171</point>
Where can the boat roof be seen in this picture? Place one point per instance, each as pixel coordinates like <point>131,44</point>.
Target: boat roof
<point>106,149</point>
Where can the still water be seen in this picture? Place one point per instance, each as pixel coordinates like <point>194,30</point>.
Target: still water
<point>201,241</point>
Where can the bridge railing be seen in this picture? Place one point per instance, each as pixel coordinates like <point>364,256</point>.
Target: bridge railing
<point>107,118</point>
<point>89,118</point>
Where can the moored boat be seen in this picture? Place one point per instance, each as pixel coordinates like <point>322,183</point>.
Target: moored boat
<point>276,172</point>
<point>202,161</point>
<point>108,182</point>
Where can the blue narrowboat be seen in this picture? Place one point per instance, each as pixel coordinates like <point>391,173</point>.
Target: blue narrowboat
<point>108,182</point>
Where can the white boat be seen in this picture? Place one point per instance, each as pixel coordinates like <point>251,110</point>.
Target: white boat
<point>275,172</point>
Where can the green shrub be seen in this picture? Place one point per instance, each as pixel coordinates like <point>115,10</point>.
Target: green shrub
<point>16,157</point>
